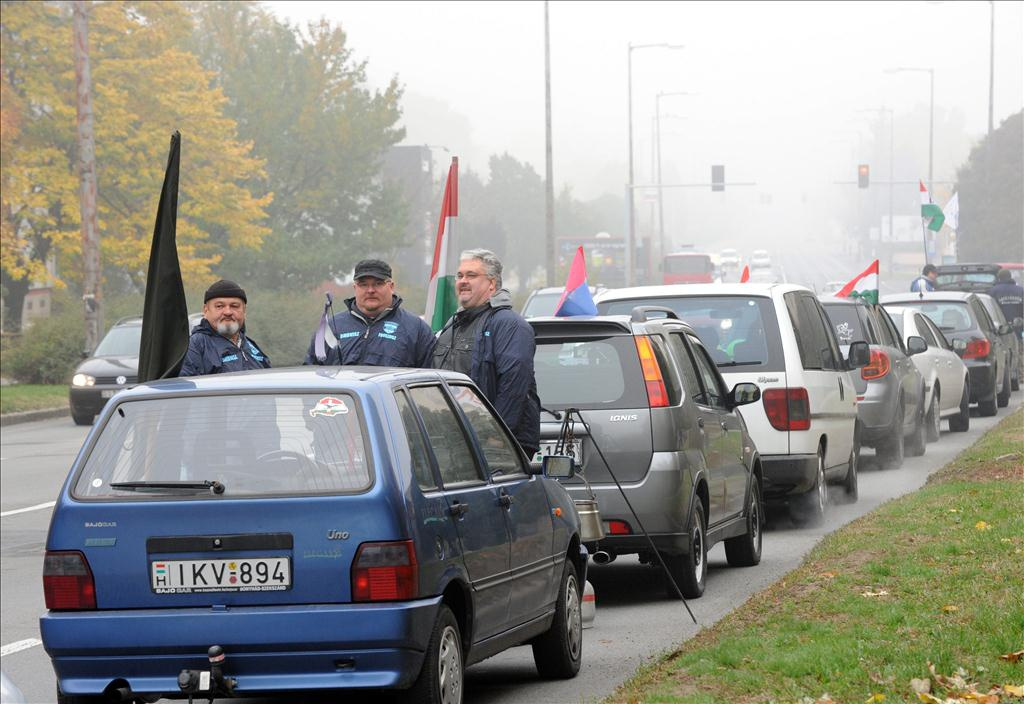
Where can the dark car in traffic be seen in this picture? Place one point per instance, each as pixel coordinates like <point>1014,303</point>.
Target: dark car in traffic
<point>302,529</point>
<point>962,318</point>
<point>654,417</point>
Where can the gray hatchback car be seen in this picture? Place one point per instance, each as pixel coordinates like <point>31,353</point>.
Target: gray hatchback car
<point>661,424</point>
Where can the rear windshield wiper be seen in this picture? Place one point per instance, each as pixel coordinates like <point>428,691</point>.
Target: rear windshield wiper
<point>214,486</point>
<point>738,364</point>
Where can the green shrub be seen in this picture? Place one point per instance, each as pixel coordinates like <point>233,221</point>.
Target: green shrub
<point>48,352</point>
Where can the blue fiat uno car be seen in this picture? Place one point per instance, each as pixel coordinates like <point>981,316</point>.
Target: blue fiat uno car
<point>300,529</point>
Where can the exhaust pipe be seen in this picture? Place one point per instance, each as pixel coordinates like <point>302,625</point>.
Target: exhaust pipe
<point>602,557</point>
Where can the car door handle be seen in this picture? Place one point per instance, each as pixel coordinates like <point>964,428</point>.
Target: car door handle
<point>700,422</point>
<point>458,510</point>
<point>505,499</point>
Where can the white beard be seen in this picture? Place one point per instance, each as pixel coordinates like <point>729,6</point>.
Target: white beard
<point>228,329</point>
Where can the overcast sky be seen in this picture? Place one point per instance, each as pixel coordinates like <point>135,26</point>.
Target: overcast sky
<point>777,84</point>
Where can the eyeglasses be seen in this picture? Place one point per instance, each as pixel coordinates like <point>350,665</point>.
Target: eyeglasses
<point>471,275</point>
<point>372,283</point>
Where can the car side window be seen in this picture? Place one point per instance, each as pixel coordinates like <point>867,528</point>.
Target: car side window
<point>940,339</point>
<point>691,384</point>
<point>713,393</point>
<point>982,315</point>
<point>417,445</point>
<point>500,451</point>
<point>924,331</point>
<point>446,437</point>
<point>889,332</point>
<point>833,358</point>
<point>799,325</point>
<point>817,344</point>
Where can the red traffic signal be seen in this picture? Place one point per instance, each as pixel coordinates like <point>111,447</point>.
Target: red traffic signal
<point>863,175</point>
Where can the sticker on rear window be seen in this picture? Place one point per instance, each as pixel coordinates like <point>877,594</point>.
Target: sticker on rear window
<point>329,406</point>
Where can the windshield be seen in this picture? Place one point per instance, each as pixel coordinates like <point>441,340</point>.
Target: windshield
<point>983,277</point>
<point>695,264</point>
<point>252,444</point>
<point>949,316</point>
<point>120,341</point>
<point>740,332</point>
<point>542,304</point>
<point>589,373</point>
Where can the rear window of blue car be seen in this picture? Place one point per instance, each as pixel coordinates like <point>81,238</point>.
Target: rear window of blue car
<point>253,445</point>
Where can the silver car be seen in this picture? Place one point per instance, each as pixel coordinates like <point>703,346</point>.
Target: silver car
<point>890,389</point>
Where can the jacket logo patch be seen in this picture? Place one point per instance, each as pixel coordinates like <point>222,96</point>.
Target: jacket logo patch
<point>229,358</point>
<point>328,406</point>
<point>343,335</point>
<point>390,326</point>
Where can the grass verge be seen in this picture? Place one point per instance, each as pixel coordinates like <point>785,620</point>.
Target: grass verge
<point>32,397</point>
<point>919,600</point>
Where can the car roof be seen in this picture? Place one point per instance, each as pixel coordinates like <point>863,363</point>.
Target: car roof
<point>603,323</point>
<point>671,290</point>
<point>939,295</point>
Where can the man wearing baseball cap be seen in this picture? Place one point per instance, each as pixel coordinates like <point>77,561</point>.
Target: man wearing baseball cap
<point>219,343</point>
<point>375,330</point>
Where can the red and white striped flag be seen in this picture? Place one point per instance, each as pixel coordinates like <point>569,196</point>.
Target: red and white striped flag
<point>441,300</point>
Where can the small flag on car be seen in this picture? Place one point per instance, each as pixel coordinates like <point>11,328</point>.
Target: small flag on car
<point>576,298</point>
<point>745,276</point>
<point>863,286</point>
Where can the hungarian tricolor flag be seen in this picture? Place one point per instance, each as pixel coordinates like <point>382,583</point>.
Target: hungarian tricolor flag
<point>441,300</point>
<point>930,211</point>
<point>576,298</point>
<point>864,286</point>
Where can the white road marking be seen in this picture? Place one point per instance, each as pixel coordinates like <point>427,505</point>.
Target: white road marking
<point>48,504</point>
<point>19,645</point>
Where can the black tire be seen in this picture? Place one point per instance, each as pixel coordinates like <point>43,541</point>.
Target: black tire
<point>932,420</point>
<point>809,509</point>
<point>961,422</point>
<point>890,452</point>
<point>850,491</point>
<point>987,407</point>
<point>1003,399</point>
<point>916,443</point>
<point>559,652</point>
<point>745,550</point>
<point>690,569</point>
<point>82,417</point>
<point>442,677</point>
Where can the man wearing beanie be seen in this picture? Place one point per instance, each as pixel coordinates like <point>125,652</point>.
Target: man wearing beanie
<point>219,343</point>
<point>375,330</point>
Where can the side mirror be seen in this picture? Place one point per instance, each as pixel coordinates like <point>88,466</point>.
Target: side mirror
<point>916,345</point>
<point>1018,324</point>
<point>1003,329</point>
<point>743,394</point>
<point>859,355</point>
<point>559,466</point>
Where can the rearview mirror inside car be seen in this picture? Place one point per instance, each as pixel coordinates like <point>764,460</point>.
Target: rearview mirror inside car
<point>916,344</point>
<point>743,394</point>
<point>559,466</point>
<point>859,355</point>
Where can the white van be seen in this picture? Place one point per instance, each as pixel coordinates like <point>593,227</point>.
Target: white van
<point>778,337</point>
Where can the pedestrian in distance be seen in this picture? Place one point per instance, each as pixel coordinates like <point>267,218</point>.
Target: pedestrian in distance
<point>926,281</point>
<point>219,343</point>
<point>493,345</point>
<point>1009,295</point>
<point>374,330</point>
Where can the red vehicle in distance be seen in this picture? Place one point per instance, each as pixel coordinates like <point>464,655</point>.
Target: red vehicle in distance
<point>687,268</point>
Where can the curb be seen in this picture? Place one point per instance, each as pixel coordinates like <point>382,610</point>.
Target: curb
<point>29,416</point>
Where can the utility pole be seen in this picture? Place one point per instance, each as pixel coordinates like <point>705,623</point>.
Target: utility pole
<point>549,220</point>
<point>991,59</point>
<point>91,293</point>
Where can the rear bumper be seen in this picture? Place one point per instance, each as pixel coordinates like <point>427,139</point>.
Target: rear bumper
<point>281,648</point>
<point>786,475</point>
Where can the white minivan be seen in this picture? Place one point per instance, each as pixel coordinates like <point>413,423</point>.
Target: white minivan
<point>778,337</point>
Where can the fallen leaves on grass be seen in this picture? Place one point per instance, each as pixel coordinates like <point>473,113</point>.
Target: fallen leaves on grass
<point>958,689</point>
<point>876,697</point>
<point>880,592</point>
<point>982,525</point>
<point>950,608</point>
<point>1015,656</point>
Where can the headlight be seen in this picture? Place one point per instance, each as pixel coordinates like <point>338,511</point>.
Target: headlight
<point>83,380</point>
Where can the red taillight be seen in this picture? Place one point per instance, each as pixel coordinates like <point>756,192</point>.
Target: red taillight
<point>618,528</point>
<point>657,396</point>
<point>977,348</point>
<point>787,409</point>
<point>385,572</point>
<point>67,581</point>
<point>878,367</point>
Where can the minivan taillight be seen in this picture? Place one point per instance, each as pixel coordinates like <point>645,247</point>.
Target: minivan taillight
<point>657,396</point>
<point>385,572</point>
<point>787,408</point>
<point>67,581</point>
<point>878,367</point>
<point>977,348</point>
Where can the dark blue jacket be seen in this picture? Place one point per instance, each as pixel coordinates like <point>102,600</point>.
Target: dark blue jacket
<point>396,338</point>
<point>211,353</point>
<point>1010,298</point>
<point>503,369</point>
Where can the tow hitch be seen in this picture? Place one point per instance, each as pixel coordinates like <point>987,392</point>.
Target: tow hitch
<point>208,683</point>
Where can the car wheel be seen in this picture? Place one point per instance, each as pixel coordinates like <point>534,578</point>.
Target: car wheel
<point>890,452</point>
<point>441,679</point>
<point>809,509</point>
<point>915,446</point>
<point>745,550</point>
<point>1003,399</point>
<point>932,420</point>
<point>987,407</point>
<point>690,569</point>
<point>81,417</point>
<point>850,482</point>
<point>559,652</point>
<point>961,422</point>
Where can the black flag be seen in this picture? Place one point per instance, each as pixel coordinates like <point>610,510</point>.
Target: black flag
<point>165,313</point>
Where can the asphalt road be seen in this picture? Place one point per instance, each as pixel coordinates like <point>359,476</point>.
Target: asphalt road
<point>635,622</point>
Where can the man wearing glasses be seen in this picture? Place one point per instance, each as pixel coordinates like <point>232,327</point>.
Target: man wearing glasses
<point>375,330</point>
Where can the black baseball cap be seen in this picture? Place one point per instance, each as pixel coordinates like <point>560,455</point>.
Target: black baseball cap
<point>373,267</point>
<point>224,289</point>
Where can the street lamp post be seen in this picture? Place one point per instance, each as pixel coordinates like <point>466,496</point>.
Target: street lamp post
<point>657,139</point>
<point>630,210</point>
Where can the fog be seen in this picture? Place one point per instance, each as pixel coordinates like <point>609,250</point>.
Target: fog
<point>783,94</point>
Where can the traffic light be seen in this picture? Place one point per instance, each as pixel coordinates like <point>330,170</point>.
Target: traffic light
<point>717,177</point>
<point>863,175</point>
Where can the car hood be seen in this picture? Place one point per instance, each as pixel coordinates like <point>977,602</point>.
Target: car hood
<point>109,366</point>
